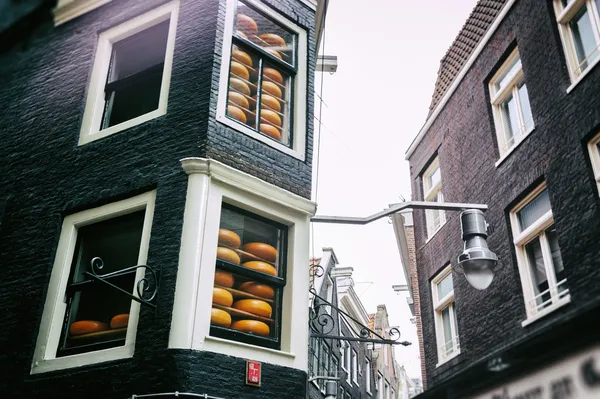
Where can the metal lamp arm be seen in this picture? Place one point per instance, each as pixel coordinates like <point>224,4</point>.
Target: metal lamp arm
<point>443,206</point>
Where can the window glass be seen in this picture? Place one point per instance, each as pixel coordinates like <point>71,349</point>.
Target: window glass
<point>249,278</point>
<point>585,41</point>
<point>434,178</point>
<point>511,118</point>
<point>557,262</point>
<point>514,69</point>
<point>135,75</point>
<point>534,210</point>
<point>260,86</point>
<point>97,315</point>
<point>445,286</point>
<point>525,106</point>
<point>538,269</point>
<point>453,310</point>
<point>447,329</point>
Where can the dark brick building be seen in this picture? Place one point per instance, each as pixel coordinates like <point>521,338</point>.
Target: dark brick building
<point>130,136</point>
<point>515,124</point>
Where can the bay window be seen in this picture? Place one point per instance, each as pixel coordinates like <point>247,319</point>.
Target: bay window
<point>540,263</point>
<point>444,306</point>
<point>510,102</point>
<point>263,82</point>
<point>579,27</point>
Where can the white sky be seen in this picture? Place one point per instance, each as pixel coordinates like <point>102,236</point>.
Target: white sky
<point>388,54</point>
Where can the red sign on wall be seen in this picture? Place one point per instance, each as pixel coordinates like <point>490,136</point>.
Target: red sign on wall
<point>253,373</point>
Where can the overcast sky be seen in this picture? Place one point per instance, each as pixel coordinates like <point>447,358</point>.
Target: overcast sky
<point>374,105</point>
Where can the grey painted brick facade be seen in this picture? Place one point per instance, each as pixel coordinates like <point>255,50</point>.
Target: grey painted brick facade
<point>464,138</point>
<point>45,175</point>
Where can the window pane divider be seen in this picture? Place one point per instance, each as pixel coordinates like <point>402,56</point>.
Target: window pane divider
<point>569,11</point>
<point>133,78</point>
<point>533,231</point>
<point>500,95</point>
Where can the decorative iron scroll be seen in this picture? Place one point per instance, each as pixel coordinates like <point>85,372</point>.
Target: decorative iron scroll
<point>147,288</point>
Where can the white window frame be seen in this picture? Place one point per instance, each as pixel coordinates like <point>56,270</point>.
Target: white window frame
<point>386,390</point>
<point>368,376</point>
<point>328,292</point>
<point>298,145</point>
<point>499,97</point>
<point>433,194</point>
<point>67,10</point>
<point>348,358</point>
<point>210,184</point>
<point>44,358</point>
<point>522,238</point>
<point>92,117</point>
<point>379,385</point>
<point>439,305</point>
<point>595,158</point>
<point>563,17</point>
<point>355,366</point>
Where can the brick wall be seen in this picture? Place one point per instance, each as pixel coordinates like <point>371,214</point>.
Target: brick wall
<point>46,175</point>
<point>464,138</point>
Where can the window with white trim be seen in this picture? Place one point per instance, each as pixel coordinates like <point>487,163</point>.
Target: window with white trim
<point>432,187</point>
<point>510,103</point>
<point>263,76</point>
<point>538,254</point>
<point>131,74</point>
<point>329,292</point>
<point>444,306</point>
<point>579,27</point>
<point>348,358</point>
<point>594,149</point>
<point>386,392</point>
<point>354,366</point>
<point>84,320</point>
<point>379,386</point>
<point>368,375</point>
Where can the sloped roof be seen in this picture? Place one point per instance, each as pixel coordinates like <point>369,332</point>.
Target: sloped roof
<point>468,38</point>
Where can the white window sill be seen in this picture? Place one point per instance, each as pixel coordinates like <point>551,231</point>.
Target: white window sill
<point>85,138</point>
<point>83,359</point>
<point>447,359</point>
<point>558,304</point>
<point>243,350</point>
<point>514,147</point>
<point>435,232</point>
<point>583,75</point>
<point>262,138</point>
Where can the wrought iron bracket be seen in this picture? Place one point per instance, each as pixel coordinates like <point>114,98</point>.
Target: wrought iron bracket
<point>322,323</point>
<point>147,288</point>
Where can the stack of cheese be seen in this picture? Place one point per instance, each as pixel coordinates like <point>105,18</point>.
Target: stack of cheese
<point>256,256</point>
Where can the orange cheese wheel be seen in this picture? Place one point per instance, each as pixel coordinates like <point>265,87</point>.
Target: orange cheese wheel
<point>239,86</point>
<point>254,306</point>
<point>251,326</point>
<point>238,99</point>
<point>119,321</point>
<point>272,89</point>
<point>270,131</point>
<point>266,115</point>
<point>242,57</point>
<point>262,250</point>
<point>228,255</point>
<point>240,70</point>
<point>273,74</point>
<point>258,289</point>
<point>259,266</point>
<point>220,317</point>
<point>222,297</point>
<point>87,327</point>
<point>236,113</point>
<point>269,101</point>
<point>274,52</point>
<point>247,25</point>
<point>273,39</point>
<point>224,278</point>
<point>229,239</point>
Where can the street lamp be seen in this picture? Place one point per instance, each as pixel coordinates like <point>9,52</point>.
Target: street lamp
<point>477,262</point>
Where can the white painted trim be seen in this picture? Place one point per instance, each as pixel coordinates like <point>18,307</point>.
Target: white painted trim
<point>94,108</point>
<point>67,10</point>
<point>448,358</point>
<point>514,147</point>
<point>546,311</point>
<point>44,358</point>
<point>440,106</point>
<point>440,304</point>
<point>298,147</point>
<point>595,158</point>
<point>583,75</point>
<point>210,184</point>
